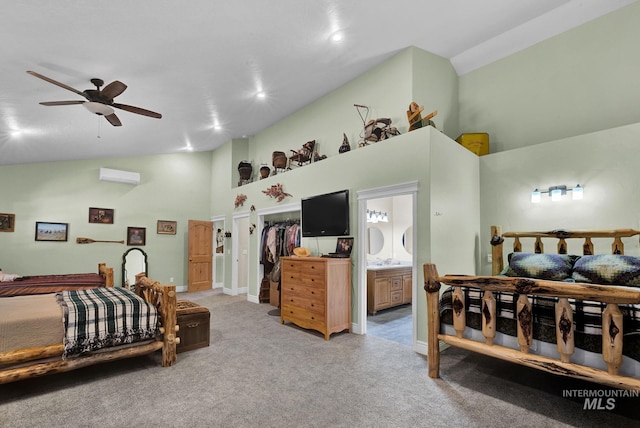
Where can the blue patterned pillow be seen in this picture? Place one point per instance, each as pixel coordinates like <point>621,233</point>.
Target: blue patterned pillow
<point>553,267</point>
<point>608,269</point>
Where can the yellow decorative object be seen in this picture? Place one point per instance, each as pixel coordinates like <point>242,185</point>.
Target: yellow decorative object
<point>477,143</point>
<point>301,252</point>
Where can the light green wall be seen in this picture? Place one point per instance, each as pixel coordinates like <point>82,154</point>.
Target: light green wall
<point>387,90</point>
<point>173,187</point>
<point>580,81</point>
<point>423,155</point>
<point>603,162</point>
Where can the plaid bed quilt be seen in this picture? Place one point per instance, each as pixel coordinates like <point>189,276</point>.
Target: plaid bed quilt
<point>587,319</point>
<point>104,317</point>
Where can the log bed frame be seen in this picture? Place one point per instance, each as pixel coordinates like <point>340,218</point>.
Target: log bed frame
<point>45,360</point>
<point>611,317</point>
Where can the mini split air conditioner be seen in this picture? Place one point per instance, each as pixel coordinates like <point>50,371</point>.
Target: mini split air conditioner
<point>118,176</point>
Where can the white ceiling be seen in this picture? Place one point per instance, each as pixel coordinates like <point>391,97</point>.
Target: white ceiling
<point>200,63</point>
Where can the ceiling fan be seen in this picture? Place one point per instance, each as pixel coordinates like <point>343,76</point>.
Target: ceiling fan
<point>98,101</point>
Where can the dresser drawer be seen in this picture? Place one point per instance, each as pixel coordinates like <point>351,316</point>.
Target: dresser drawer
<point>303,317</point>
<point>311,305</point>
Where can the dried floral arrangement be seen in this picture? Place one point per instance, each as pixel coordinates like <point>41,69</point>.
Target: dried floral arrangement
<point>276,192</point>
<point>240,199</point>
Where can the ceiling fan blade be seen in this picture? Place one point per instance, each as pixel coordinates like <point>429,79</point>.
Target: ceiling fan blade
<point>113,119</point>
<point>113,89</point>
<point>137,110</point>
<point>61,103</point>
<point>62,85</point>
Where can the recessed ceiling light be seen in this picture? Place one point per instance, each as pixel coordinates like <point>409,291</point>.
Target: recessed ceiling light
<point>217,127</point>
<point>261,94</point>
<point>336,37</point>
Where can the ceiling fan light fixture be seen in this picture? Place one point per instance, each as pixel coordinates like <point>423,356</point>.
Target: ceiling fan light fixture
<point>98,108</point>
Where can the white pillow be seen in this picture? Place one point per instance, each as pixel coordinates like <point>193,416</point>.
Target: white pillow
<point>6,277</point>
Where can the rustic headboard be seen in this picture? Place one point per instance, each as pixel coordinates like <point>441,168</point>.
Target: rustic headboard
<point>497,241</point>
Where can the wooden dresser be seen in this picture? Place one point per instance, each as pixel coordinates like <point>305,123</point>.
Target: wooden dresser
<point>316,293</point>
<point>388,287</point>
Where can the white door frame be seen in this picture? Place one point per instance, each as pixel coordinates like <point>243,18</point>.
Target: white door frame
<point>217,219</point>
<point>235,256</point>
<point>261,213</point>
<point>410,188</point>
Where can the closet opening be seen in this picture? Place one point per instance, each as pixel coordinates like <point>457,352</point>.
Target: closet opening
<point>279,233</point>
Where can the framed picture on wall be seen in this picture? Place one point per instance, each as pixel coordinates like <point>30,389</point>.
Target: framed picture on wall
<point>7,222</point>
<point>46,231</point>
<point>101,215</point>
<point>136,235</point>
<point>166,227</point>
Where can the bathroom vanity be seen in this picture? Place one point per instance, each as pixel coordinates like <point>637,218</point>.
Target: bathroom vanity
<point>388,286</point>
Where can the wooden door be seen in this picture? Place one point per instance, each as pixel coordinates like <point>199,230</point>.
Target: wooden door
<point>200,255</point>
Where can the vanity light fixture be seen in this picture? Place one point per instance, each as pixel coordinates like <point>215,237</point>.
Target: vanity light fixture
<point>556,193</point>
<point>377,216</point>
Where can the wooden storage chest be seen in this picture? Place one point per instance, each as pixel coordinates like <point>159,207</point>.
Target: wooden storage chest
<point>316,293</point>
<point>194,322</point>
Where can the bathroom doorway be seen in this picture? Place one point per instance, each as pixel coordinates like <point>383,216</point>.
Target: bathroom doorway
<point>388,263</point>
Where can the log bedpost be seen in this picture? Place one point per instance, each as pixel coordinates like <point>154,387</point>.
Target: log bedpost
<point>525,323</point>
<point>432,287</point>
<point>564,329</point>
<point>488,317</point>
<point>459,311</point>
<point>617,247</point>
<point>170,321</point>
<point>497,262</point>
<point>612,338</point>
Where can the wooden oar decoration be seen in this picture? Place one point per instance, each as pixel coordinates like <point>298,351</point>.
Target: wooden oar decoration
<point>91,241</point>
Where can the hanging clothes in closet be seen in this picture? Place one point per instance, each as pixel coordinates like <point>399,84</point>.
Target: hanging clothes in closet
<point>279,239</point>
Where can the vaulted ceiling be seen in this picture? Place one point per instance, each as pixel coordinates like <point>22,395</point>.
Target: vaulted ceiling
<point>203,63</point>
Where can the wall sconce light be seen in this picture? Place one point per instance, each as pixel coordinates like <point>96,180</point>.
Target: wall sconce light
<point>556,193</point>
<point>377,216</point>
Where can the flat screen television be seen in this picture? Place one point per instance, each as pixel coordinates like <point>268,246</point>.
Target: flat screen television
<point>326,215</point>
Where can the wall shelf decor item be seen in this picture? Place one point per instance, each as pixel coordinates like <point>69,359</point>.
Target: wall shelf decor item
<point>245,170</point>
<point>167,227</point>
<point>46,231</point>
<point>305,154</point>
<point>80,240</point>
<point>101,215</point>
<point>276,191</point>
<point>279,161</point>
<point>136,235</point>
<point>7,222</point>
<point>240,200</point>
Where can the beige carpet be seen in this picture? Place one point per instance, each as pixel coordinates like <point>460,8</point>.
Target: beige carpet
<point>259,373</point>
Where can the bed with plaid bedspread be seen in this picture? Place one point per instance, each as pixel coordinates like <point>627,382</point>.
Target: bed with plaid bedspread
<point>105,317</point>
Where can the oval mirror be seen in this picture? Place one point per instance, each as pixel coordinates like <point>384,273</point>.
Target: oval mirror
<point>407,240</point>
<point>134,261</point>
<point>376,240</point>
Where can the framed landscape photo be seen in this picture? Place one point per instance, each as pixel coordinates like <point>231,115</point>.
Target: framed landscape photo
<point>136,235</point>
<point>101,215</point>
<point>7,222</point>
<point>166,227</point>
<point>46,231</point>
